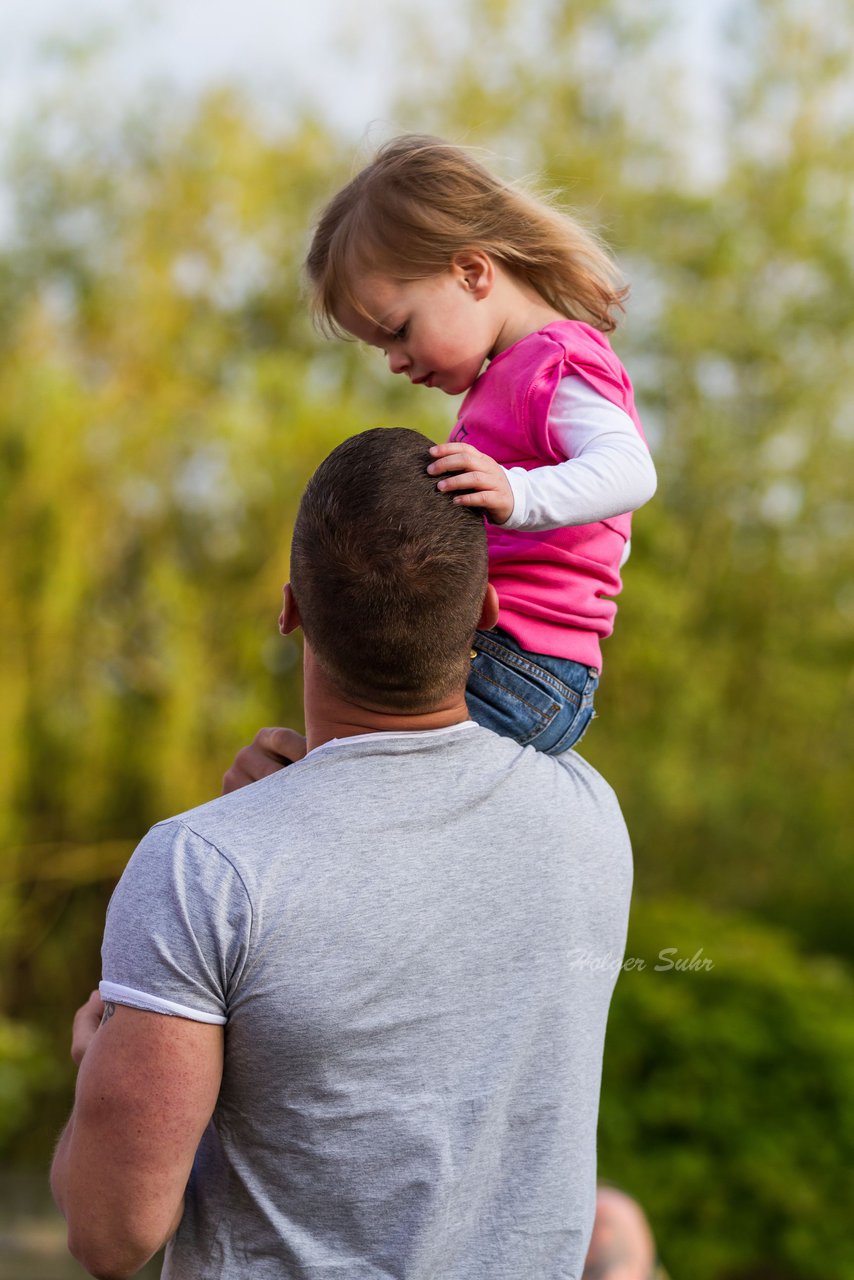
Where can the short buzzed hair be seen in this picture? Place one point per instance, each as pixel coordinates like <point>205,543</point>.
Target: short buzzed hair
<point>389,575</point>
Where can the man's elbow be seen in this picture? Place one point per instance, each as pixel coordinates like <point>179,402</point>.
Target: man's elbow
<point>108,1258</point>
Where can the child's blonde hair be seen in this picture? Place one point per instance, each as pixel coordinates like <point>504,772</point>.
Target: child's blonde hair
<point>421,201</point>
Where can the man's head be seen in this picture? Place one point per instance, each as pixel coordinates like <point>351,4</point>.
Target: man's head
<point>388,575</point>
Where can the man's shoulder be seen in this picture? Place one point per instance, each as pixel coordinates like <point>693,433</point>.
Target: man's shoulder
<point>569,771</point>
<point>289,799</point>
<point>217,822</point>
<point>583,773</point>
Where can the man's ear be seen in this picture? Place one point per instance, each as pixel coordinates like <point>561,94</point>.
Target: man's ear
<point>289,618</point>
<point>475,270</point>
<point>489,612</point>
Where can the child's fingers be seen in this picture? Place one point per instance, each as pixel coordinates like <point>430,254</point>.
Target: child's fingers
<point>454,458</point>
<point>496,506</point>
<point>451,446</point>
<point>455,462</point>
<point>484,483</point>
<point>480,498</point>
<point>467,480</point>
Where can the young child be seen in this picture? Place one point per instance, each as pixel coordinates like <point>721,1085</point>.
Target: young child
<point>446,269</point>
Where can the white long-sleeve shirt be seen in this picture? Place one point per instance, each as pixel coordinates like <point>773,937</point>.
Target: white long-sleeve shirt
<point>608,470</point>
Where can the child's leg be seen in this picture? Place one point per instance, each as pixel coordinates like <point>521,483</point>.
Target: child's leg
<point>540,701</point>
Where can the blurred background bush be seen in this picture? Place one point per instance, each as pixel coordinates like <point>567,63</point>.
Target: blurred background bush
<point>163,399</point>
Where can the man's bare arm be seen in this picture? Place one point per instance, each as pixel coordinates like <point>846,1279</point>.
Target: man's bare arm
<point>146,1088</point>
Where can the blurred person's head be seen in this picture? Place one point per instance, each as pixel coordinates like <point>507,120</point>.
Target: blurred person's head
<point>388,575</point>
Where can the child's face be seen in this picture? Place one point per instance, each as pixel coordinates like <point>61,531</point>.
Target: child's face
<point>438,330</point>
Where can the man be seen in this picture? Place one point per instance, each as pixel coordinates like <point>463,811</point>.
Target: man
<point>346,1033</point>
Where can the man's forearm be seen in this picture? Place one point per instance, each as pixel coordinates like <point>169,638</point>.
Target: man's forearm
<point>112,1258</point>
<point>59,1166</point>
<point>147,1086</point>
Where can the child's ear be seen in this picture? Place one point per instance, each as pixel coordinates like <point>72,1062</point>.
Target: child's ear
<point>475,270</point>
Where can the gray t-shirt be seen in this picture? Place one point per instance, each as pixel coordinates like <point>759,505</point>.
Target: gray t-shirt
<point>412,940</point>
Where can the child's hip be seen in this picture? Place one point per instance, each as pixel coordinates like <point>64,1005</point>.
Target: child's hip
<point>541,701</point>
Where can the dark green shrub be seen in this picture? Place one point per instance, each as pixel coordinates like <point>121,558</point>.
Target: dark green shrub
<point>728,1097</point>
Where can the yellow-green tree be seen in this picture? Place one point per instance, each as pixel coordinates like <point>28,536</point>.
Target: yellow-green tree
<point>726,693</point>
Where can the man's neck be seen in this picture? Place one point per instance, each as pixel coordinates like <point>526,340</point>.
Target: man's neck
<point>321,730</point>
<point>329,715</point>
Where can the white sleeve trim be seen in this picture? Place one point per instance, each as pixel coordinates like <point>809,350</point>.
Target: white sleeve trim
<point>115,993</point>
<point>608,470</point>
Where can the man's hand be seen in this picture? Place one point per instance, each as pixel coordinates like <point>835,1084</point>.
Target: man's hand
<point>269,751</point>
<point>87,1019</point>
<point>475,471</point>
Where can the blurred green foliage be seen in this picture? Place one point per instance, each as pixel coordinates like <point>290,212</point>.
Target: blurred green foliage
<point>163,399</point>
<point>27,1073</point>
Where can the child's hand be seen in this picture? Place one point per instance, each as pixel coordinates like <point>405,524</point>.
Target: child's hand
<point>269,751</point>
<point>475,471</point>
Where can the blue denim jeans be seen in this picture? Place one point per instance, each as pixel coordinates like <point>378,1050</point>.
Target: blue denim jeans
<point>540,701</point>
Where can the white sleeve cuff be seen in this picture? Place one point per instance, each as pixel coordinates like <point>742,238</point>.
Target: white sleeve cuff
<point>517,478</point>
<point>115,993</point>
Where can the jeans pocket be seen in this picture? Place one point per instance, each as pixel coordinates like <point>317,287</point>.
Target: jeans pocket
<point>543,702</point>
<point>509,702</point>
<point>575,730</point>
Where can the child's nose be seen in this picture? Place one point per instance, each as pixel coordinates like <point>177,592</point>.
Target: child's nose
<point>397,362</point>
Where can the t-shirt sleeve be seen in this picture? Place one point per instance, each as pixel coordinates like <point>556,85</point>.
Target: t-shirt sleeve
<point>178,928</point>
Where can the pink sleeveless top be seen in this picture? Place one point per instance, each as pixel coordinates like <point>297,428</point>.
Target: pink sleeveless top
<point>553,587</point>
